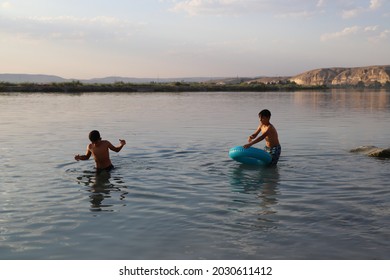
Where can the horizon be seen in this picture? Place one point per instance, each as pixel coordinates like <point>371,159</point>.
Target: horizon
<point>167,39</point>
<point>187,77</point>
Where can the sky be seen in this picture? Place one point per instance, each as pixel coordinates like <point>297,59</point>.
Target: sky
<point>86,39</point>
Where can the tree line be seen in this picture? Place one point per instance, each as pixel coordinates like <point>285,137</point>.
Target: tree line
<point>78,87</point>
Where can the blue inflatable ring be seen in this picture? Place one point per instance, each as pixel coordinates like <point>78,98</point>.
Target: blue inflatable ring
<point>251,156</point>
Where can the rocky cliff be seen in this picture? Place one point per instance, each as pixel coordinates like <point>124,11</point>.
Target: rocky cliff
<point>367,76</point>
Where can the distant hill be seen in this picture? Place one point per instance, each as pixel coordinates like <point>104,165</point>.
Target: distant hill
<point>369,75</point>
<point>31,78</point>
<point>114,79</point>
<point>46,79</point>
<point>337,76</point>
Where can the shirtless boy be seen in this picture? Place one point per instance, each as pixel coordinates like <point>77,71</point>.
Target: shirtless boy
<point>99,149</point>
<point>269,133</point>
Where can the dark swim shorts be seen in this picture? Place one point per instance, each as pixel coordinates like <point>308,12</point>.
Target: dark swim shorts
<point>275,153</point>
<point>107,169</point>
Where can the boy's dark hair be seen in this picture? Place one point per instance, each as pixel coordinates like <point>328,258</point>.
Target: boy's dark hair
<point>94,136</point>
<point>265,113</point>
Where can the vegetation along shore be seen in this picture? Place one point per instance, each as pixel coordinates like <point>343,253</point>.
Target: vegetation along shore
<point>78,87</point>
<point>371,77</point>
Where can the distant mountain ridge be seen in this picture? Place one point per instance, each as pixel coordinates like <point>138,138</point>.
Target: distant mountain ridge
<point>42,79</point>
<point>368,75</point>
<point>336,76</point>
<point>31,78</point>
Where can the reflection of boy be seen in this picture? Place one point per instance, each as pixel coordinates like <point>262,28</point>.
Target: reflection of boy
<point>99,149</point>
<point>269,133</point>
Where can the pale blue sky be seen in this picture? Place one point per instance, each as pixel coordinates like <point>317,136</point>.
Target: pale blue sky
<point>192,38</point>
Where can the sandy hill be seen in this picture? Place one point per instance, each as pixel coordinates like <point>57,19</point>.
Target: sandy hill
<point>344,76</point>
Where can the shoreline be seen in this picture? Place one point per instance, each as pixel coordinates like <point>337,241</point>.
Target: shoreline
<point>78,87</point>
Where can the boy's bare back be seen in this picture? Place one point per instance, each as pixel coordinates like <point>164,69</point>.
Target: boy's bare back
<point>99,149</point>
<point>100,153</point>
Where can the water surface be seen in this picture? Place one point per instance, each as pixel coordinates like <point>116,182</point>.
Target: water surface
<point>175,193</point>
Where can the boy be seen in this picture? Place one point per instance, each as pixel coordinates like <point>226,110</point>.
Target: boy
<point>269,133</point>
<point>100,150</point>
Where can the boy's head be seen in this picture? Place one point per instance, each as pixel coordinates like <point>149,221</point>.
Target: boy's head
<point>94,136</point>
<point>265,113</point>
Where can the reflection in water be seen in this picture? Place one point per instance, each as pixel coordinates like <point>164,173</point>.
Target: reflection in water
<point>188,200</point>
<point>362,100</point>
<point>101,188</point>
<point>263,182</point>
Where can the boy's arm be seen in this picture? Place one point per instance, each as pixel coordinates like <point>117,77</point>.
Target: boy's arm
<point>254,135</point>
<point>84,157</point>
<point>257,140</point>
<point>117,148</point>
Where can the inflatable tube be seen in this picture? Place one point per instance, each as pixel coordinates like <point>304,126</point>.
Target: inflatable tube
<point>251,156</point>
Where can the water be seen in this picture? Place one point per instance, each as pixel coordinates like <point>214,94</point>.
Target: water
<point>175,194</point>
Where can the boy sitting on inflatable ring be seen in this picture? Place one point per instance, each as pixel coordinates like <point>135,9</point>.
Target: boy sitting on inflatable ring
<point>269,133</point>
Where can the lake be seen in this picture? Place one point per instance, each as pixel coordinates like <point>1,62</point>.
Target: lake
<point>176,194</point>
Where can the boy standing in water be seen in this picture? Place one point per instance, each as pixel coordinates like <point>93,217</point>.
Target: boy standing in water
<point>99,149</point>
<point>269,133</point>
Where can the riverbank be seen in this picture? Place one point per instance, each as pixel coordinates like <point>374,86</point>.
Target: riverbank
<point>78,87</point>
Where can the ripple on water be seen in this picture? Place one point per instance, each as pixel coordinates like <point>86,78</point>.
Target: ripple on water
<point>175,193</point>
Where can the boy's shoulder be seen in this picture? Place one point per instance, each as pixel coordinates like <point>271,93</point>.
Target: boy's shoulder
<point>98,144</point>
<point>270,126</point>
<point>105,143</point>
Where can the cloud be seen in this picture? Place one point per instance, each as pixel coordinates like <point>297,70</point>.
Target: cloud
<point>377,37</point>
<point>343,33</point>
<point>320,3</point>
<point>351,13</point>
<point>5,5</point>
<point>296,15</point>
<point>375,4</point>
<point>371,28</point>
<point>219,7</point>
<point>293,8</point>
<point>68,28</point>
<point>372,33</point>
<point>384,34</point>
